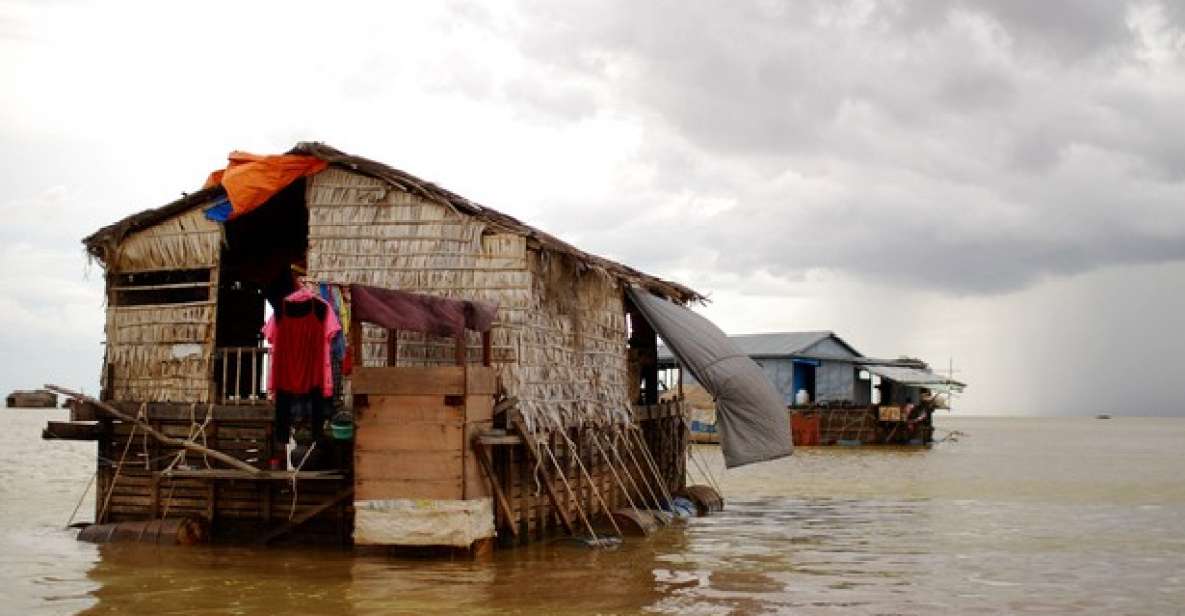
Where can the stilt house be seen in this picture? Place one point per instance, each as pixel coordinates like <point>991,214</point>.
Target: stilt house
<point>450,430</point>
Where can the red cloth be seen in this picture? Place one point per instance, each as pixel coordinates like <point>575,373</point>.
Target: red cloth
<point>429,314</point>
<point>300,341</point>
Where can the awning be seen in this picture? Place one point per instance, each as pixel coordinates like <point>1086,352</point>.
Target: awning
<point>439,316</point>
<point>915,377</point>
<point>751,416</point>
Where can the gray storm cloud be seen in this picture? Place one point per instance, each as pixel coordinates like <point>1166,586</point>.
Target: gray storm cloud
<point>972,147</point>
<point>1001,182</point>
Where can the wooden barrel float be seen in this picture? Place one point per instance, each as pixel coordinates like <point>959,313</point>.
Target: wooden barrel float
<point>173,531</point>
<point>706,499</point>
<point>640,523</point>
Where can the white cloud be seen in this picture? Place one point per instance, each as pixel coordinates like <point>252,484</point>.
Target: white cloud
<point>924,177</point>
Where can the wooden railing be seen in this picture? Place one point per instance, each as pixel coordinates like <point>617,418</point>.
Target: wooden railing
<point>240,374</point>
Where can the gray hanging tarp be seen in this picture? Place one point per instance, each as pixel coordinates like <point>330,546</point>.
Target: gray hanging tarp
<point>751,417</point>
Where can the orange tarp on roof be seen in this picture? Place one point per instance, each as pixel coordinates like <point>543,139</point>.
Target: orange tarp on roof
<point>250,179</point>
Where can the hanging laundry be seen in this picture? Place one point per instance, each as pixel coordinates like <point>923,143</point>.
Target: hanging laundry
<point>301,379</point>
<point>338,344</point>
<point>301,334</point>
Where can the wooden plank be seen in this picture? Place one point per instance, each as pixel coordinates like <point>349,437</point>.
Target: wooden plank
<point>481,380</point>
<point>380,489</point>
<point>417,436</point>
<point>400,410</point>
<point>442,381</point>
<point>500,439</point>
<point>175,411</point>
<point>479,408</point>
<point>431,465</point>
<point>232,474</point>
<point>385,418</point>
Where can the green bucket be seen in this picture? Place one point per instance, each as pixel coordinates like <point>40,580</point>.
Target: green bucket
<point>342,432</point>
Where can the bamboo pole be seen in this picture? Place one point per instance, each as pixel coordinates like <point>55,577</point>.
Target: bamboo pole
<point>167,440</point>
<point>654,468</point>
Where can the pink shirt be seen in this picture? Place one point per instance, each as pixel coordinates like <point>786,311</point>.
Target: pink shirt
<point>301,348</point>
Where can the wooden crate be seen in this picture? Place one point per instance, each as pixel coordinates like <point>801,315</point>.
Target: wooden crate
<point>413,434</point>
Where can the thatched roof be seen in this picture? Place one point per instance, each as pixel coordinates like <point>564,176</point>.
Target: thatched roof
<point>100,243</point>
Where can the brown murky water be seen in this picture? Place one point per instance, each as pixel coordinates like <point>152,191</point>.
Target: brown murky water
<point>1066,516</point>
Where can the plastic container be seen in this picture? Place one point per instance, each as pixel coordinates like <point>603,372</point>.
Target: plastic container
<point>342,432</point>
<point>341,427</point>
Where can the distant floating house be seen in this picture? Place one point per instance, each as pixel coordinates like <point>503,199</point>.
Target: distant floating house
<point>30,399</point>
<point>837,394</point>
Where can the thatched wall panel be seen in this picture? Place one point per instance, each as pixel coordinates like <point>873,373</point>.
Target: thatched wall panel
<point>160,353</point>
<point>184,241</point>
<point>559,340</point>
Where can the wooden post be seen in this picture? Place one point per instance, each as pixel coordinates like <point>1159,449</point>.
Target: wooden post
<point>108,392</point>
<point>524,493</point>
<point>487,348</point>
<point>356,342</point>
<point>255,355</point>
<point>238,374</point>
<point>483,458</point>
<point>392,347</point>
<point>460,340</point>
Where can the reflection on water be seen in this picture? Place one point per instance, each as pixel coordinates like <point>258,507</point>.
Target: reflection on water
<point>1023,516</point>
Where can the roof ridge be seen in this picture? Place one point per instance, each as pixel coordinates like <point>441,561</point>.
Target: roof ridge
<point>99,243</point>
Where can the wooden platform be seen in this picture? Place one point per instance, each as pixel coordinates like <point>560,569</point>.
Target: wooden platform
<point>237,475</point>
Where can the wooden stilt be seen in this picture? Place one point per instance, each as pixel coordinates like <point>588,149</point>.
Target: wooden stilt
<point>483,459</point>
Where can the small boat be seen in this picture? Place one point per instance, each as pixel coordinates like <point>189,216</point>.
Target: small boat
<point>1102,416</point>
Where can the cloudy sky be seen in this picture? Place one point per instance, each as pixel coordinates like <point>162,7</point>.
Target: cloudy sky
<point>1001,183</point>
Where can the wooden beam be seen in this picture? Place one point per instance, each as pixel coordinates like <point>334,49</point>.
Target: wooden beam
<point>232,475</point>
<point>500,439</point>
<point>176,411</point>
<point>356,342</point>
<point>292,524</point>
<point>392,347</point>
<point>483,458</point>
<point>167,440</point>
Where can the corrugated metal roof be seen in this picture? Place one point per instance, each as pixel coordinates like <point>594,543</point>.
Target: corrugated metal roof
<point>777,344</point>
<point>914,376</point>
